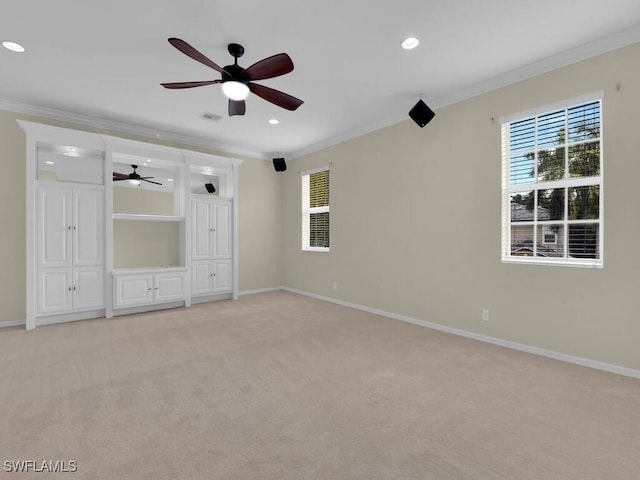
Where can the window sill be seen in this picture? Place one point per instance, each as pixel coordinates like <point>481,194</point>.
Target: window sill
<point>558,262</point>
<point>315,249</point>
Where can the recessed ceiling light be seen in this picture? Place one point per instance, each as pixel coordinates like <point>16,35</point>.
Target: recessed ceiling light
<point>410,43</point>
<point>49,162</point>
<point>13,46</point>
<point>169,179</point>
<point>274,121</point>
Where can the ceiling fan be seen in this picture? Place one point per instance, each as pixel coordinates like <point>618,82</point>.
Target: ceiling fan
<point>237,82</point>
<point>132,176</point>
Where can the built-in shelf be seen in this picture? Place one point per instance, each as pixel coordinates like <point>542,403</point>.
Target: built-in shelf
<point>148,218</point>
<point>157,269</point>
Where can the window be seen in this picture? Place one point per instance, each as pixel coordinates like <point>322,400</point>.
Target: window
<point>552,185</point>
<point>315,210</point>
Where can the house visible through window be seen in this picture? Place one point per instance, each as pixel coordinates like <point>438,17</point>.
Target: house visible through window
<point>315,210</point>
<point>552,185</point>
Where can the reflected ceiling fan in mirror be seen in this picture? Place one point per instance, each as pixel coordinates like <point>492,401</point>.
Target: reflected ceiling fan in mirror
<point>237,82</point>
<point>135,176</point>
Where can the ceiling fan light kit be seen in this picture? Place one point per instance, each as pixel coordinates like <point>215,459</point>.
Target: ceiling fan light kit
<point>235,90</point>
<point>237,82</point>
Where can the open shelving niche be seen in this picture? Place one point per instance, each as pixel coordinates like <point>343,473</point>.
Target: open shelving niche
<point>159,217</point>
<point>147,228</point>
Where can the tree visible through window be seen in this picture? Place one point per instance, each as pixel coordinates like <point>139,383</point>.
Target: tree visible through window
<point>315,210</point>
<point>552,184</point>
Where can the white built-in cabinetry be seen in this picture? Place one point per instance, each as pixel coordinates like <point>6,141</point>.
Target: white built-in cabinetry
<point>88,259</point>
<point>138,287</point>
<point>211,271</point>
<point>70,239</point>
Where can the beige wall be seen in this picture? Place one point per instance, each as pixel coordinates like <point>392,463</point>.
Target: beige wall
<point>415,223</point>
<point>259,216</point>
<point>13,275</point>
<point>144,244</point>
<point>142,201</point>
<point>260,226</point>
<point>403,203</point>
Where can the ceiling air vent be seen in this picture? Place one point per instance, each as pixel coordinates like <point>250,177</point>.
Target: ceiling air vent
<point>212,117</point>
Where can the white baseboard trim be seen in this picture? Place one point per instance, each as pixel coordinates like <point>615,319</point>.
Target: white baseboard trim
<point>13,323</point>
<point>260,290</point>
<point>585,362</point>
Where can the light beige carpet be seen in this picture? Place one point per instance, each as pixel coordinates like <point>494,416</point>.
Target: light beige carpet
<point>280,386</point>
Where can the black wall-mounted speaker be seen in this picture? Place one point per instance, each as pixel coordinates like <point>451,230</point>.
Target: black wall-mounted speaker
<point>210,188</point>
<point>279,164</point>
<point>421,113</point>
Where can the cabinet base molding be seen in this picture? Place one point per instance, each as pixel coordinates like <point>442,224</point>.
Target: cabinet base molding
<point>69,317</point>
<point>147,308</point>
<point>211,298</point>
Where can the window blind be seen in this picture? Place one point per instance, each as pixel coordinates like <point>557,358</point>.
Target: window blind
<point>552,186</point>
<point>315,210</point>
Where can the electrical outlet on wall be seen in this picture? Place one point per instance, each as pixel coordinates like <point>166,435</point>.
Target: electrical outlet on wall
<point>485,314</point>
<point>335,285</point>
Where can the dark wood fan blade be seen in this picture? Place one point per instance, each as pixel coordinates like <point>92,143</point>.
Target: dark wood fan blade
<point>120,176</point>
<point>188,50</point>
<point>276,97</point>
<point>175,85</point>
<point>237,107</point>
<point>270,67</point>
<point>150,181</point>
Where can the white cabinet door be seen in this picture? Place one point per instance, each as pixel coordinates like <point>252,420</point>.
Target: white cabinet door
<point>88,288</point>
<point>54,290</point>
<point>169,286</point>
<point>201,229</point>
<point>202,277</point>
<point>222,229</point>
<point>132,290</point>
<point>70,235</point>
<point>54,227</point>
<point>87,227</point>
<point>222,276</point>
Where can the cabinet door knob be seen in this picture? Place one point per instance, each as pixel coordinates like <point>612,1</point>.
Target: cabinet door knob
<point>69,288</point>
<point>69,227</point>
<point>74,288</point>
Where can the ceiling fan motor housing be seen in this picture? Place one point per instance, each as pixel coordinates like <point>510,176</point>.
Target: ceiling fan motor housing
<point>234,73</point>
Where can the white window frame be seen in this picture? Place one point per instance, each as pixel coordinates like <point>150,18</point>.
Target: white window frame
<point>307,210</point>
<point>508,189</point>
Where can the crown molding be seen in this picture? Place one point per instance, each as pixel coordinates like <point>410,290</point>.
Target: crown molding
<point>545,65</point>
<point>358,132</point>
<point>568,57</point>
<point>145,131</point>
